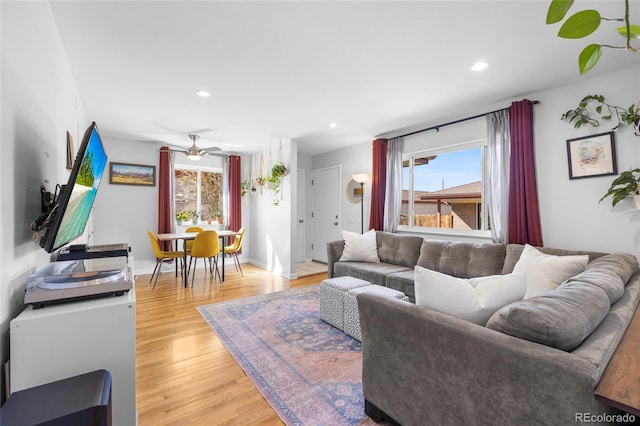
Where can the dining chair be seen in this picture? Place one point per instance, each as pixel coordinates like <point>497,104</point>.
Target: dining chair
<point>234,248</point>
<point>189,243</point>
<point>206,245</point>
<point>161,257</point>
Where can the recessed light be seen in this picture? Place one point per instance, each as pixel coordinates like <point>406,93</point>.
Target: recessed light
<point>479,66</point>
<point>333,125</point>
<point>203,93</point>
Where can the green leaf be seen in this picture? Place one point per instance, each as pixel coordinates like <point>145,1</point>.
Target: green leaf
<point>589,57</point>
<point>558,10</point>
<point>633,29</point>
<point>580,24</point>
<point>599,109</point>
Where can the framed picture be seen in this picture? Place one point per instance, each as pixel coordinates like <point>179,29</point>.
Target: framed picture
<point>132,174</point>
<point>592,156</point>
<point>70,151</point>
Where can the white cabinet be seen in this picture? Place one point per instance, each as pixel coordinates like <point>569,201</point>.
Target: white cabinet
<point>61,341</point>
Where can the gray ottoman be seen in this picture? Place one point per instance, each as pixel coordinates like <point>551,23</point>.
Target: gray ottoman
<point>333,292</point>
<point>351,315</point>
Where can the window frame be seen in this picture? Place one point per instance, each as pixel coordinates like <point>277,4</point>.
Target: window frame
<point>482,233</point>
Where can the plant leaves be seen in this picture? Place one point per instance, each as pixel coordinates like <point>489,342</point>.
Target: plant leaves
<point>558,10</point>
<point>589,57</point>
<point>633,29</point>
<point>580,24</point>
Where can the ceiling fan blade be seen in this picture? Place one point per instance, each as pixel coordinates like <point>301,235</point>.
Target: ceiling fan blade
<point>212,149</point>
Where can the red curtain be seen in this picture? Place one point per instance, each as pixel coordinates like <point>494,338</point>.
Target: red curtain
<point>165,202</point>
<point>524,214</point>
<point>378,184</point>
<point>235,198</point>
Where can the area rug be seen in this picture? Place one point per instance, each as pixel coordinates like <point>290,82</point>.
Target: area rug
<point>307,370</point>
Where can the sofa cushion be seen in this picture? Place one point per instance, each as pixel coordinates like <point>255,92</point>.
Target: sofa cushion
<point>514,251</point>
<point>611,273</point>
<point>360,247</point>
<point>545,271</point>
<point>561,318</point>
<point>398,249</point>
<point>472,299</point>
<point>403,281</point>
<point>462,259</point>
<point>375,273</point>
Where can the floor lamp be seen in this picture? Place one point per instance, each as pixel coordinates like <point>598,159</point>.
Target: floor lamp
<point>361,178</point>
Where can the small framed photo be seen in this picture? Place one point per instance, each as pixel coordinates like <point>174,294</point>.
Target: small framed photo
<point>70,151</point>
<point>592,156</point>
<point>132,174</point>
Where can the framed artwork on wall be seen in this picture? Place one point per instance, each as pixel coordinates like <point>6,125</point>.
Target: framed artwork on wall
<point>591,156</point>
<point>70,151</point>
<point>132,174</point>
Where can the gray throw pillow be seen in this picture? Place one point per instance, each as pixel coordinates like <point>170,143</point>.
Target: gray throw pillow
<point>561,318</point>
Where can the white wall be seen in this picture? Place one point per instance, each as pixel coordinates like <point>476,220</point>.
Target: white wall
<point>39,104</point>
<point>570,213</point>
<point>273,228</point>
<point>353,159</point>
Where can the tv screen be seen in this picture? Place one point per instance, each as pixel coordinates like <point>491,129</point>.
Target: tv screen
<point>76,199</point>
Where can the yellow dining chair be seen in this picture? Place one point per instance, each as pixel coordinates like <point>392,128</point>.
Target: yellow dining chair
<point>189,243</point>
<point>234,248</point>
<point>206,245</point>
<point>161,257</point>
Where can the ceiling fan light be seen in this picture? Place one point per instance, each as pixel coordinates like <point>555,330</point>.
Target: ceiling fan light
<point>194,156</point>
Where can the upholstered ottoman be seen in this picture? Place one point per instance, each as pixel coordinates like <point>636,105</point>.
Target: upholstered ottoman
<point>351,315</point>
<point>333,292</point>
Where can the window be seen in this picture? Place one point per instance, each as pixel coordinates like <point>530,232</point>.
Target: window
<point>443,189</point>
<point>200,190</point>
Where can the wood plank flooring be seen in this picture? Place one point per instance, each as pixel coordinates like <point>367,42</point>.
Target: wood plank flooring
<point>185,375</point>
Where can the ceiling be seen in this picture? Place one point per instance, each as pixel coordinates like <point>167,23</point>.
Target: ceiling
<point>286,70</point>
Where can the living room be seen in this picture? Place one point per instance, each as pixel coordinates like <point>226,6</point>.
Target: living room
<point>41,102</point>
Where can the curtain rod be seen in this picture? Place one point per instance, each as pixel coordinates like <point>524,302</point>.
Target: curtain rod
<point>437,128</point>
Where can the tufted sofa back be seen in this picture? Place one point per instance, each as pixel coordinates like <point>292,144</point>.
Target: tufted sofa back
<point>462,259</point>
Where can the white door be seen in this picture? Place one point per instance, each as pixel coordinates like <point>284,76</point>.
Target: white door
<point>326,210</point>
<point>301,249</point>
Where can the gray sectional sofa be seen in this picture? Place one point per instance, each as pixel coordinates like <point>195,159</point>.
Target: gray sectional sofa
<point>423,367</point>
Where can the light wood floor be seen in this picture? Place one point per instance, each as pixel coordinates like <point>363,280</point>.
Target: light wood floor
<point>185,376</point>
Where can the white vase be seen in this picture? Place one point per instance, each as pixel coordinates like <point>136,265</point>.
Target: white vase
<point>636,201</point>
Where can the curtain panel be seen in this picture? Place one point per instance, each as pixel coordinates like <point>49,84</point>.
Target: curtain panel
<point>378,184</point>
<point>165,196</point>
<point>235,197</point>
<point>524,214</point>
<point>497,182</point>
<point>393,195</point>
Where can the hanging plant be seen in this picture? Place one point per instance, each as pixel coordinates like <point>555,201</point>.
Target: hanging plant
<point>244,187</point>
<point>278,172</point>
<point>584,115</point>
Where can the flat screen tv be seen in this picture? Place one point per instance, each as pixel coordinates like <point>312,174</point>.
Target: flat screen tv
<point>76,198</point>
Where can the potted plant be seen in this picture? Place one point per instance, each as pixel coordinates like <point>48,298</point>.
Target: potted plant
<point>627,183</point>
<point>186,216</point>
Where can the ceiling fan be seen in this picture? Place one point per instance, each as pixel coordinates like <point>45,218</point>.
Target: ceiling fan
<point>194,152</point>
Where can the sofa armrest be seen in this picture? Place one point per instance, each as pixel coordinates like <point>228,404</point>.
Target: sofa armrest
<point>421,364</point>
<point>334,253</point>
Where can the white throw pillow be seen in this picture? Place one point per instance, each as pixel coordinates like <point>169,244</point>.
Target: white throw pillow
<point>473,299</point>
<point>545,272</point>
<point>360,247</point>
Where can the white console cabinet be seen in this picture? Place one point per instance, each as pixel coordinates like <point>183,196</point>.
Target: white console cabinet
<point>64,340</point>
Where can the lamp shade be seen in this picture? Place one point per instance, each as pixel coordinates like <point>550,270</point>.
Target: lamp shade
<point>361,177</point>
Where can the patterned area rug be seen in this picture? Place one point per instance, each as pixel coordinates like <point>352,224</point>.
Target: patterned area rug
<point>307,370</point>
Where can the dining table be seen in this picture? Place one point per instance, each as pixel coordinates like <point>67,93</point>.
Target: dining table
<point>187,236</point>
